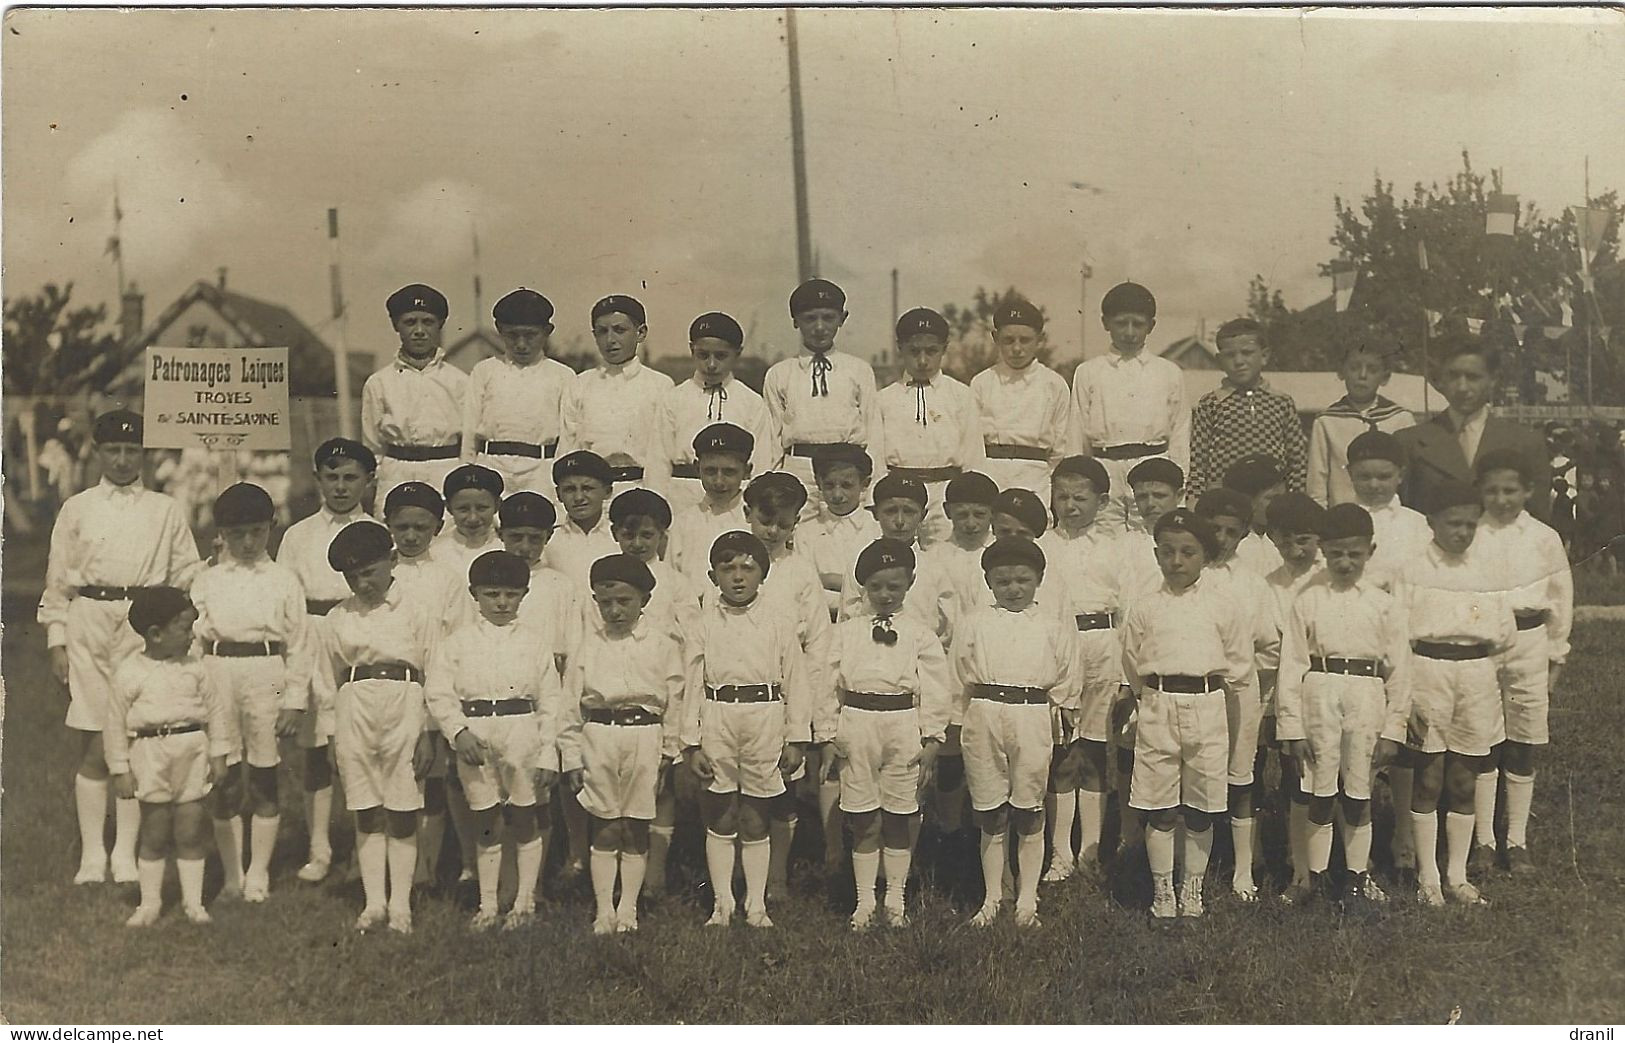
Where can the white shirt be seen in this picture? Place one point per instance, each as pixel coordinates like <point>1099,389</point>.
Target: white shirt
<point>1120,400</point>
<point>1359,622</point>
<point>947,432</point>
<point>689,408</point>
<point>611,409</point>
<point>1257,553</point>
<point>688,542</point>
<point>1029,649</point>
<point>674,606</point>
<point>403,405</point>
<point>1083,569</point>
<point>1470,431</point>
<point>457,554</point>
<point>1452,598</point>
<point>147,693</point>
<point>847,414</point>
<point>114,536</point>
<point>832,543</point>
<point>400,629</point>
<point>507,402</point>
<point>484,661</point>
<point>261,601</point>
<point>932,600</point>
<point>1400,535</point>
<point>916,665</point>
<point>643,670</point>
<point>1030,407</point>
<point>571,552</point>
<point>1195,631</point>
<point>304,550</point>
<point>1528,558</point>
<point>752,644</point>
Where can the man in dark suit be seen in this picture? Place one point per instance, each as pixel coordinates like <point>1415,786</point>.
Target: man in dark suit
<point>1448,445</point>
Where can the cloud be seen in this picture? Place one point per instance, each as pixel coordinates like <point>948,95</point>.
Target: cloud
<point>174,196</point>
<point>432,226</point>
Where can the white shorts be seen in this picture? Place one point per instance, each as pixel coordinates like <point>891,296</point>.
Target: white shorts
<point>1181,746</point>
<point>252,689</point>
<point>1342,720</point>
<point>316,723</point>
<point>880,750</point>
<point>1244,711</point>
<point>620,769</point>
<point>508,775</point>
<point>1007,749</point>
<point>376,727</point>
<point>392,472</point>
<point>744,742</point>
<point>1100,660</point>
<point>170,769</point>
<point>1455,707</point>
<point>521,474</point>
<point>99,639</point>
<point>1525,696</point>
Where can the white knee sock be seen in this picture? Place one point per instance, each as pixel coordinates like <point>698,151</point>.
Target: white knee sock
<point>1198,848</point>
<point>1159,850</point>
<point>127,827</point>
<point>431,835</point>
<point>719,863</point>
<point>1400,785</point>
<point>1241,836</point>
<point>632,869</point>
<point>1320,846</point>
<point>781,834</point>
<point>1483,808</point>
<point>1357,847</point>
<point>994,860</point>
<point>90,801</point>
<point>261,840</point>
<point>370,854</point>
<point>755,855</point>
<point>1029,864</point>
<point>1458,840</point>
<point>603,865</point>
<point>1520,793</point>
<point>897,861</point>
<point>865,870</point>
<point>1064,810</point>
<point>488,865</point>
<point>190,871</point>
<point>318,820</point>
<point>228,841</point>
<point>529,857</point>
<point>402,857</point>
<point>1091,815</point>
<point>1297,832</point>
<point>1425,830</point>
<point>150,871</point>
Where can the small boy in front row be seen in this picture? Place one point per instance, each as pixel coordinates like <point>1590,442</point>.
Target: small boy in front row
<point>1016,662</point>
<point>494,692</point>
<point>889,696</point>
<point>1184,647</point>
<point>1342,697</point>
<point>166,740</point>
<point>622,693</point>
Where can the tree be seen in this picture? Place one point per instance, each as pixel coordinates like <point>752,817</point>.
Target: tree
<point>970,333</point>
<point>47,344</point>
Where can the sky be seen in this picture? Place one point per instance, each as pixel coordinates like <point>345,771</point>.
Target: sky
<point>648,152</point>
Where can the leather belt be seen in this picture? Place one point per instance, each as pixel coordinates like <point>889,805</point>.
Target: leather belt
<point>1131,450</point>
<point>685,470</point>
<point>422,453</point>
<point>627,717</point>
<point>321,606</point>
<point>1185,684</point>
<point>634,473</point>
<point>928,474</point>
<point>96,593</point>
<point>1450,652</point>
<point>743,693</point>
<point>380,672</point>
<point>1530,620</point>
<point>1095,620</point>
<point>498,447</point>
<point>1340,665</point>
<point>808,450</point>
<point>1009,693</point>
<point>245,649</point>
<point>497,707</point>
<point>877,700</point>
<point>158,731</point>
<point>1016,452</point>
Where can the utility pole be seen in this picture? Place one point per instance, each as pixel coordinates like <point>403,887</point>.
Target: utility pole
<point>805,266</point>
<point>341,353</point>
<point>1084,272</point>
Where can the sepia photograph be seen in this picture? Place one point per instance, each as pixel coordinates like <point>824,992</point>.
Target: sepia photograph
<point>817,515</point>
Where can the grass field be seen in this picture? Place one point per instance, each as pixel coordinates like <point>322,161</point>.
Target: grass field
<point>1549,950</point>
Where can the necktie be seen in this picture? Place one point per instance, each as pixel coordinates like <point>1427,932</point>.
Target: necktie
<point>883,632</point>
<point>919,387</point>
<point>820,375</point>
<point>719,395</point>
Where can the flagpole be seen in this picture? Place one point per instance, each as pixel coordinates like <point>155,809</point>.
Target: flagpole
<point>1427,323</point>
<point>341,352</point>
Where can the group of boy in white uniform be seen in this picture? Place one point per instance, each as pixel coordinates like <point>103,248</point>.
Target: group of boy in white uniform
<point>740,607</point>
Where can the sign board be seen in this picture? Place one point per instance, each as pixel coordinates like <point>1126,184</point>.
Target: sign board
<point>219,399</point>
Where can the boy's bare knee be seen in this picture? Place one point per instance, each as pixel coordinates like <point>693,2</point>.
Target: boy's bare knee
<point>1241,801</point>
<point>754,813</point>
<point>1320,810</point>
<point>995,821</point>
<point>1162,820</point>
<point>1197,821</point>
<point>1027,821</point>
<point>1356,812</point>
<point>369,820</point>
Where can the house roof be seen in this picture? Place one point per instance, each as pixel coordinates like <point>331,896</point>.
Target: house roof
<point>475,346</point>
<point>1183,344</point>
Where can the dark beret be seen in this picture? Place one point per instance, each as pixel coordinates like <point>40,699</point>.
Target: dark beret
<point>1376,445</point>
<point>921,320</point>
<point>523,307</point>
<point>1025,506</point>
<point>415,494</point>
<point>527,510</point>
<point>620,303</point>
<point>359,544</point>
<point>843,453</point>
<point>582,462</point>
<point>1345,520</point>
<point>1157,469</point>
<point>498,568</point>
<point>971,487</point>
<point>417,297</point>
<point>736,542</point>
<point>1018,312</point>
<point>816,293</point>
<point>718,326</point>
<point>336,449</point>
<point>1128,296</point>
<point>1295,514</point>
<point>119,426</point>
<point>471,476</point>
<point>883,554</point>
<point>1183,519</point>
<point>155,606</point>
<point>724,438</point>
<point>1505,460</point>
<point>1013,550</point>
<point>1225,503</point>
<point>623,568</point>
<point>1253,474</point>
<point>776,485</point>
<point>243,504</point>
<point>1449,493</point>
<point>1087,468</point>
<point>897,486</point>
<point>640,503</point>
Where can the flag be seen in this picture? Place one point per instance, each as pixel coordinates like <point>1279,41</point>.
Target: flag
<point>1344,276</point>
<point>1502,216</point>
<point>1592,224</point>
<point>113,249</point>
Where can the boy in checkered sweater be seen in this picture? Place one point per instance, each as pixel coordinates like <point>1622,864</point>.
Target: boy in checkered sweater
<point>1243,415</point>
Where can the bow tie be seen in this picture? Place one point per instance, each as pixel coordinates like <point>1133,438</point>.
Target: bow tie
<point>883,632</point>
<point>719,395</point>
<point>821,366</point>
